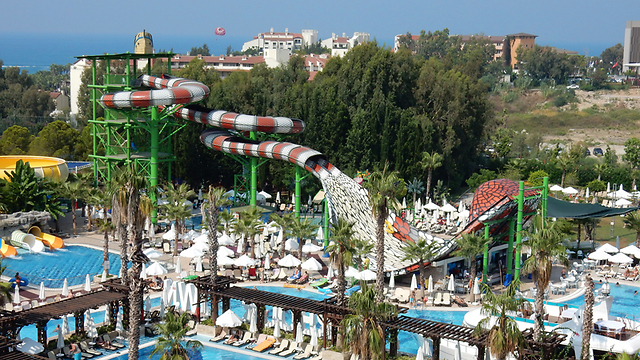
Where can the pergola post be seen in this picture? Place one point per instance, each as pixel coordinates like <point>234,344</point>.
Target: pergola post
<point>214,307</point>
<point>297,317</point>
<point>42,332</point>
<point>393,345</point>
<point>226,304</point>
<point>260,322</point>
<point>436,348</point>
<point>481,350</point>
<point>79,323</point>
<point>519,224</point>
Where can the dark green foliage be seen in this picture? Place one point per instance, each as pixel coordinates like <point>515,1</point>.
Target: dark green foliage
<point>478,179</point>
<point>536,178</point>
<point>202,50</point>
<point>58,139</point>
<point>597,186</point>
<point>23,191</point>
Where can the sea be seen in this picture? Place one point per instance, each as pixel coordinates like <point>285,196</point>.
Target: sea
<point>36,52</point>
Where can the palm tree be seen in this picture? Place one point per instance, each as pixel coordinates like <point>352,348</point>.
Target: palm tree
<point>285,222</point>
<point>546,245</point>
<point>5,288</point>
<point>504,336</point>
<point>632,221</point>
<point>420,252</point>
<point>361,250</point>
<point>341,252</point>
<point>101,198</point>
<point>470,246</point>
<point>106,226</point>
<point>176,210</point>
<point>564,162</point>
<point>430,161</point>
<point>301,230</point>
<point>600,168</point>
<point>363,332</point>
<point>384,186</point>
<point>216,201</point>
<point>247,225</point>
<point>415,187</point>
<point>587,318</point>
<point>73,189</point>
<point>172,335</point>
<point>119,219</point>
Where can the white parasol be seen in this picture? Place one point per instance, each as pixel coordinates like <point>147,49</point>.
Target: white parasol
<point>556,188</point>
<point>42,295</point>
<point>392,280</point>
<point>60,344</point>
<point>289,261</point>
<point>330,271</point>
<point>366,275</point>
<point>155,269</point>
<point>65,325</point>
<point>191,252</point>
<point>161,308</point>
<point>320,233</point>
<point>351,272</point>
<point>310,247</point>
<point>291,244</point>
<point>312,265</point>
<point>107,318</point>
<point>620,258</point>
<point>452,285</point>
<point>278,197</point>
<point>65,288</point>
<point>476,287</point>
<point>314,332</point>
<point>276,325</point>
<point>225,261</point>
<point>569,191</point>
<point>253,322</point>
<point>244,261</point>
<point>414,282</point>
<point>87,283</point>
<point>90,325</point>
<point>119,327</point>
<point>631,250</point>
<point>599,255</point>
<point>241,245</point>
<point>608,248</point>
<point>143,274</point>
<point>299,335</point>
<point>152,254</point>
<point>199,264</point>
<point>228,319</point>
<point>225,240</point>
<point>147,304</point>
<point>420,354</point>
<point>267,261</point>
<point>430,286</point>
<point>104,276</point>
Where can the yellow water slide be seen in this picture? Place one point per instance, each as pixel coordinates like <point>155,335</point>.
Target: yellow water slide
<point>49,167</point>
<point>6,249</point>
<point>53,242</point>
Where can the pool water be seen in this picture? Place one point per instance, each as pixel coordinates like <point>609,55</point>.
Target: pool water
<point>52,267</point>
<point>625,304</point>
<point>205,353</point>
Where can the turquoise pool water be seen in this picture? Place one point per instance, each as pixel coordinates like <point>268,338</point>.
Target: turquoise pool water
<point>625,304</point>
<point>205,353</point>
<point>52,267</point>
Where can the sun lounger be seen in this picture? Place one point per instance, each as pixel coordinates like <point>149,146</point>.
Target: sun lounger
<point>105,345</point>
<point>86,348</point>
<point>261,338</point>
<point>112,338</point>
<point>274,277</point>
<point>296,275</point>
<point>282,275</point>
<point>260,347</point>
<point>166,247</point>
<point>192,328</point>
<point>351,290</point>
<point>51,355</point>
<point>223,334</point>
<point>245,339</point>
<point>281,348</point>
<point>446,299</point>
<point>292,348</point>
<point>438,300</point>
<point>319,283</point>
<point>302,280</point>
<point>402,295</point>
<point>306,353</point>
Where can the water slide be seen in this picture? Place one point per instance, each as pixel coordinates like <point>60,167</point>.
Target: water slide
<point>344,195</point>
<point>26,241</point>
<point>53,242</point>
<point>6,249</point>
<point>49,167</point>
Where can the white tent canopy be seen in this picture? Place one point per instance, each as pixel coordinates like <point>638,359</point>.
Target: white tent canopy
<point>289,261</point>
<point>228,319</point>
<point>312,265</point>
<point>620,258</point>
<point>599,255</point>
<point>608,248</point>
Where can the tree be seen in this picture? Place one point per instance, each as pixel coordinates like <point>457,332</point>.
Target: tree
<point>632,221</point>
<point>74,189</point>
<point>15,141</point>
<point>599,168</point>
<point>172,334</point>
<point>361,250</point>
<point>57,139</point>
<point>341,252</point>
<point>202,50</point>
<point>301,230</point>
<point>632,154</point>
<point>415,187</point>
<point>504,336</point>
<point>5,288</point>
<point>544,63</point>
<point>284,222</point>
<point>384,186</point>
<point>564,163</point>
<point>430,161</point>
<point>217,200</point>
<point>587,318</point>
<point>176,210</point>
<point>545,245</point>
<point>469,247</point>
<point>363,332</point>
<point>420,252</point>
<point>611,56</point>
<point>247,225</point>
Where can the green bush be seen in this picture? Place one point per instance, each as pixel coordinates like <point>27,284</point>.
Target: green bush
<point>478,179</point>
<point>536,177</point>
<point>560,100</point>
<point>510,96</point>
<point>597,185</point>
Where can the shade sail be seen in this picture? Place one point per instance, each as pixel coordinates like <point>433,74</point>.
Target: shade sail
<point>564,209</point>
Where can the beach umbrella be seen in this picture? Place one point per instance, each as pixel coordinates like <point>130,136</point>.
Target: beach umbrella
<point>253,322</point>
<point>155,269</point>
<point>448,208</point>
<point>90,325</point>
<point>427,349</point>
<point>587,193</point>
<point>291,244</point>
<point>225,261</point>
<point>225,240</point>
<point>414,282</point>
<point>420,354</point>
<point>392,280</point>
<point>65,288</point>
<point>199,264</point>
<point>278,197</point>
<point>351,272</point>
<point>244,261</point>
<point>169,235</point>
<point>310,247</point>
<point>599,255</point>
<point>314,334</point>
<point>299,335</point>
<point>225,251</point>
<point>258,249</point>
<point>276,325</point>
<point>289,261</point>
<point>161,308</point>
<point>228,319</point>
<point>178,266</point>
<point>107,318</point>
<point>280,237</point>
<point>65,325</point>
<point>431,206</point>
<point>191,252</point>
<point>29,346</point>
<point>620,258</point>
<point>404,202</point>
<point>143,274</point>
<point>330,271</point>
<point>265,194</point>
<point>367,275</point>
<point>267,261</point>
<point>452,285</point>
<point>41,294</point>
<point>631,250</point>
<point>202,246</point>
<point>476,287</point>
<point>569,191</point>
<point>622,202</point>
<point>240,248</point>
<point>104,276</point>
<point>119,327</point>
<point>311,264</point>
<point>152,254</point>
<point>430,286</point>
<point>608,248</point>
<point>147,304</point>
<point>320,233</point>
<point>60,344</point>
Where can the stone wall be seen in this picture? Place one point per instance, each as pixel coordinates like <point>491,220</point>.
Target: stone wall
<point>23,221</point>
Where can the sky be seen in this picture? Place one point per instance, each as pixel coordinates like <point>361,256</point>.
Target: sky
<point>584,26</point>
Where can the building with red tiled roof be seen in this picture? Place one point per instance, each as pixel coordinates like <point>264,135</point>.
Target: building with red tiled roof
<point>223,64</point>
<point>339,45</point>
<point>271,40</point>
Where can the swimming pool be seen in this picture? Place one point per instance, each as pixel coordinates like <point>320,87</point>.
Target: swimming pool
<point>72,262</point>
<point>625,304</point>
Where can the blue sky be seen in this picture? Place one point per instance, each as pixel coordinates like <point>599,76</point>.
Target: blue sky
<point>578,25</point>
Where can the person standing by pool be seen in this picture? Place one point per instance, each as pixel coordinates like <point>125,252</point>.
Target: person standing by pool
<point>18,279</point>
<point>77,355</point>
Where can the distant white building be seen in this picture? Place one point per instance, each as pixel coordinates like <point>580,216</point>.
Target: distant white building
<point>281,41</point>
<point>339,45</point>
<point>224,64</point>
<point>631,52</point>
<point>75,80</point>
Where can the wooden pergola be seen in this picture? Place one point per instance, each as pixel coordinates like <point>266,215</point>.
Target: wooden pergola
<point>8,351</point>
